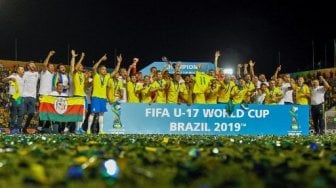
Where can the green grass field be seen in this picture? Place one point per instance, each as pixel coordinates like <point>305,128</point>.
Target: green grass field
<point>167,161</point>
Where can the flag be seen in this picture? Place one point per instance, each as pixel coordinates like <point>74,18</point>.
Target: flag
<point>16,95</point>
<point>202,81</point>
<point>56,78</point>
<point>61,109</point>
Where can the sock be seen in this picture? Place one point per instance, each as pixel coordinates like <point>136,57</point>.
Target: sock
<point>101,123</point>
<point>80,124</point>
<point>90,121</point>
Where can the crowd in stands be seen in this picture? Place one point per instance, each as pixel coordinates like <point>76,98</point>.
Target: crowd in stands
<point>99,87</point>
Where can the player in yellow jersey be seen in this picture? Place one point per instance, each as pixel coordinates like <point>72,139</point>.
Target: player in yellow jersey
<point>79,81</point>
<point>273,94</point>
<point>239,92</point>
<point>211,94</point>
<point>302,92</point>
<point>174,89</point>
<point>202,81</point>
<point>224,82</point>
<point>159,86</point>
<point>249,86</point>
<point>133,89</point>
<point>225,89</point>
<point>145,94</point>
<point>99,95</point>
<point>186,90</point>
<point>114,89</point>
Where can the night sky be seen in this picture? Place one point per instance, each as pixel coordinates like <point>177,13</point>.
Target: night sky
<point>185,30</point>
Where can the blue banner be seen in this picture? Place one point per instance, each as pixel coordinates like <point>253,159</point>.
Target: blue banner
<point>126,118</point>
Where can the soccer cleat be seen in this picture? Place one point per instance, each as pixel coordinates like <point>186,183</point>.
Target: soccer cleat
<point>24,130</point>
<point>101,132</point>
<point>13,131</point>
<point>88,132</point>
<point>66,130</point>
<point>79,131</point>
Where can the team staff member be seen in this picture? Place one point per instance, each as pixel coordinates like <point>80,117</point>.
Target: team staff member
<point>30,78</point>
<point>317,104</point>
<point>46,77</point>
<point>16,106</point>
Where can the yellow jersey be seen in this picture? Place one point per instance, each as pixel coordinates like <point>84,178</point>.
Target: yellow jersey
<point>212,94</point>
<point>300,93</point>
<point>161,95</point>
<point>186,93</point>
<point>114,87</point>
<point>100,85</point>
<point>78,84</point>
<point>132,92</point>
<point>145,94</point>
<point>199,98</point>
<point>224,92</point>
<point>270,94</point>
<point>238,94</point>
<point>173,92</point>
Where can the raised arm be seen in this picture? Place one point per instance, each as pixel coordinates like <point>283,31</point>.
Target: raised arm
<point>217,54</point>
<point>72,61</point>
<point>9,78</point>
<point>245,69</point>
<point>239,66</point>
<point>95,66</point>
<point>116,69</point>
<point>46,60</point>
<point>325,83</point>
<point>177,66</point>
<point>278,69</point>
<point>80,61</point>
<point>135,61</point>
<point>165,59</point>
<point>251,63</point>
<point>199,67</point>
<point>129,70</point>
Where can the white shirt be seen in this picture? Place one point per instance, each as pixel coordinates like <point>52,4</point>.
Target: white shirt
<point>260,82</point>
<point>30,84</point>
<point>65,83</point>
<point>260,98</point>
<point>20,81</point>
<point>123,90</point>
<point>46,82</point>
<point>71,88</point>
<point>55,93</point>
<point>317,95</point>
<point>287,93</point>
